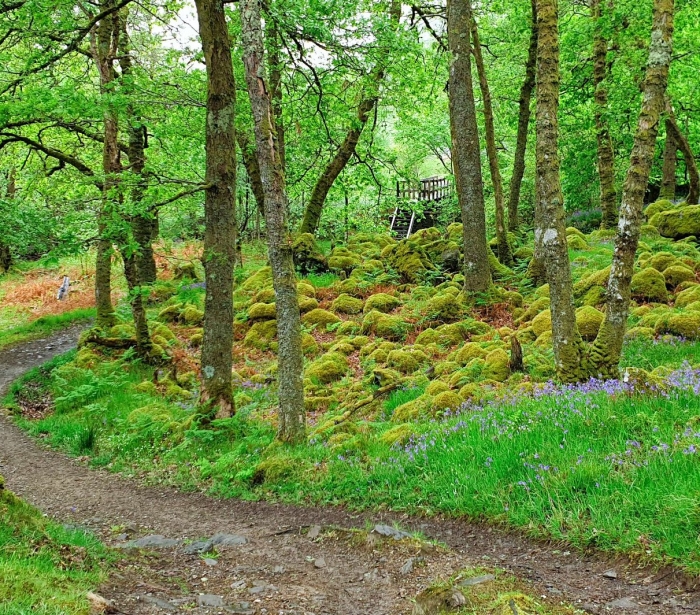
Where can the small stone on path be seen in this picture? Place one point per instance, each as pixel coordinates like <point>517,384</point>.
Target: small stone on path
<point>227,540</point>
<point>210,562</point>
<point>156,541</point>
<point>314,532</point>
<point>158,602</point>
<point>610,574</point>
<point>199,546</point>
<point>484,578</point>
<point>622,603</point>
<point>391,532</point>
<point>210,600</point>
<point>319,562</point>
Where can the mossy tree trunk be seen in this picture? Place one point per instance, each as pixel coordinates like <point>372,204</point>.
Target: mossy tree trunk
<point>503,249</point>
<point>133,255</point>
<point>526,89</point>
<point>252,168</point>
<point>550,232</point>
<point>684,146</point>
<point>5,252</point>
<point>219,209</point>
<point>466,156</point>
<point>275,66</point>
<point>104,50</point>
<point>291,427</point>
<point>314,208</point>
<point>606,156</point>
<point>607,348</point>
<point>668,170</point>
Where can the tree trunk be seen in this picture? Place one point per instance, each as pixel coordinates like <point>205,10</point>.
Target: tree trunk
<point>105,44</point>
<point>606,156</point>
<point>291,426</point>
<point>219,208</point>
<point>276,90</point>
<point>5,252</point>
<point>528,86</point>
<point>684,145</point>
<point>668,178</point>
<point>314,208</point>
<point>252,168</point>
<point>504,251</point>
<point>466,156</point>
<point>550,233</point>
<point>135,259</point>
<point>607,348</point>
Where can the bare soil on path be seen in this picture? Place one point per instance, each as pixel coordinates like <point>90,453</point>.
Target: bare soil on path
<point>295,559</point>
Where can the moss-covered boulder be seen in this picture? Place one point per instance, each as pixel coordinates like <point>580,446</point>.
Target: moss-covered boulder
<point>308,257</point>
<point>685,325</point>
<point>542,322</point>
<point>650,285</point>
<point>444,307</point>
<point>657,207</point>
<point>320,318</point>
<point>447,400</point>
<point>575,242</point>
<point>688,296</point>
<point>342,259</point>
<point>383,377</point>
<point>306,304</point>
<point>678,223</point>
<point>382,302</point>
<point>261,279</point>
<point>497,365</point>
<point>328,368</point>
<point>265,295</point>
<point>469,351</point>
<point>400,434</point>
<point>595,296</point>
<point>262,311</point>
<point>597,278</point>
<point>639,333</point>
<point>170,313</point>
<point>192,315</point>
<point>498,270</point>
<point>409,260</point>
<point>402,360</point>
<point>345,304</point>
<point>588,321</point>
<point>261,335</point>
<point>677,274</point>
<point>186,270</point>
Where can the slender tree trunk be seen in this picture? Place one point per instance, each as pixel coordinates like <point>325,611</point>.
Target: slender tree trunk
<point>607,348</point>
<point>135,259</point>
<point>5,252</point>
<point>606,156</point>
<point>551,230</point>
<point>219,208</point>
<point>466,156</point>
<point>528,86</point>
<point>684,146</point>
<point>276,90</point>
<point>105,44</point>
<point>252,168</point>
<point>314,208</point>
<point>291,426</point>
<point>668,178</point>
<point>504,251</point>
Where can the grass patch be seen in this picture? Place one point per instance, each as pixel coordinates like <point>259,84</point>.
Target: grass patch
<point>44,568</point>
<point>41,327</point>
<point>322,280</point>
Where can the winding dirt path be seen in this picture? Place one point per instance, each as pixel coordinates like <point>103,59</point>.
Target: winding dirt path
<point>283,568</point>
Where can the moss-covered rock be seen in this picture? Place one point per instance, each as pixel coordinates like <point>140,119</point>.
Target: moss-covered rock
<point>436,387</point>
<point>677,274</point>
<point>657,207</point>
<point>678,223</point>
<point>498,270</point>
<point>383,377</point>
<point>403,361</point>
<point>447,400</point>
<point>575,242</point>
<point>342,259</point>
<point>468,352</point>
<point>163,331</point>
<point>319,317</point>
<point>192,315</point>
<point>262,311</point>
<point>409,260</point>
<point>261,279</point>
<point>261,335</point>
<point>544,340</point>
<point>349,327</point>
<point>686,325</point>
<point>639,333</point>
<point>597,278</point>
<point>185,271</point>
<point>688,296</point>
<point>595,296</point>
<point>534,309</point>
<point>328,368</point>
<point>307,255</point>
<point>444,307</point>
<point>650,285</point>
<point>345,304</point>
<point>542,322</point>
<point>306,304</point>
<point>170,313</point>
<point>382,302</point>
<point>308,344</point>
<point>196,339</point>
<point>265,295</point>
<point>400,434</point>
<point>588,321</point>
<point>497,365</point>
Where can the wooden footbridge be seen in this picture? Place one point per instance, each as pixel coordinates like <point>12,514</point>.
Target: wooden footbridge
<point>418,204</point>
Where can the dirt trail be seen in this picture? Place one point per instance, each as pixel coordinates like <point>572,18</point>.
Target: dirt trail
<point>280,568</point>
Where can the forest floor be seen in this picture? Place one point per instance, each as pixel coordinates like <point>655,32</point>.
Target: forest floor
<point>307,559</point>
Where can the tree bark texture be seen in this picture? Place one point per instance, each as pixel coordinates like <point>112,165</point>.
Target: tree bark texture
<point>291,427</point>
<point>668,176</point>
<point>275,64</point>
<point>252,168</point>
<point>219,209</point>
<point>503,248</point>
<point>607,348</point>
<point>550,233</point>
<point>135,259</point>
<point>684,146</point>
<point>466,156</point>
<point>526,89</point>
<point>105,44</point>
<point>314,208</point>
<point>5,252</point>
<point>606,156</point>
